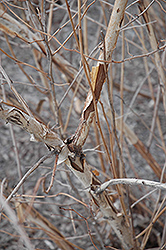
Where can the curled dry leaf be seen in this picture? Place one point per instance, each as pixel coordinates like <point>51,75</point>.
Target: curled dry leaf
<point>98,75</point>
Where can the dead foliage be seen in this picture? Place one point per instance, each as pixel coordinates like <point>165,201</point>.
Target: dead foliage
<point>86,80</point>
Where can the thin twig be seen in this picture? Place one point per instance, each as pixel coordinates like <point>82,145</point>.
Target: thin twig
<point>52,177</point>
<point>134,19</point>
<point>28,173</point>
<point>154,117</point>
<point>18,96</point>
<point>75,79</point>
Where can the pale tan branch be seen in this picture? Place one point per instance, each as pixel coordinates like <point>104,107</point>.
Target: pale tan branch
<point>114,28</point>
<point>130,182</point>
<point>82,170</point>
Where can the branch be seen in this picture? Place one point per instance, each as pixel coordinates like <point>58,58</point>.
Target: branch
<point>76,159</point>
<point>98,74</point>
<point>154,46</point>
<point>140,56</point>
<point>77,164</point>
<point>82,170</point>
<point>71,153</point>
<point>33,216</point>
<point>130,182</point>
<point>134,140</point>
<point>28,173</point>
<point>14,28</point>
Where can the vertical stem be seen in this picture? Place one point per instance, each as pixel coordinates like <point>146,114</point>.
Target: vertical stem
<point>50,18</point>
<point>98,143</point>
<point>122,170</point>
<point>85,30</point>
<point>79,29</point>
<point>114,26</point>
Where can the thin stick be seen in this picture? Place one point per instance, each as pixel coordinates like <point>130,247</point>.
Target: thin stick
<point>155,212</point>
<point>136,94</point>
<point>119,148</point>
<point>71,21</point>
<point>154,45</point>
<point>157,215</point>
<point>143,197</point>
<point>50,18</point>
<point>75,79</point>
<point>71,107</point>
<point>16,154</point>
<point>154,117</point>
<point>52,177</point>
<point>28,173</point>
<point>78,25</point>
<point>18,96</point>
<point>151,89</point>
<point>85,27</point>
<point>134,19</point>
<point>130,58</point>
<point>122,167</point>
<point>99,147</point>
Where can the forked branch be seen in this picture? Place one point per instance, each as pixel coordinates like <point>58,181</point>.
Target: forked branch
<point>71,151</point>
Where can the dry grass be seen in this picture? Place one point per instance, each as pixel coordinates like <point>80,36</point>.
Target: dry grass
<point>52,53</point>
